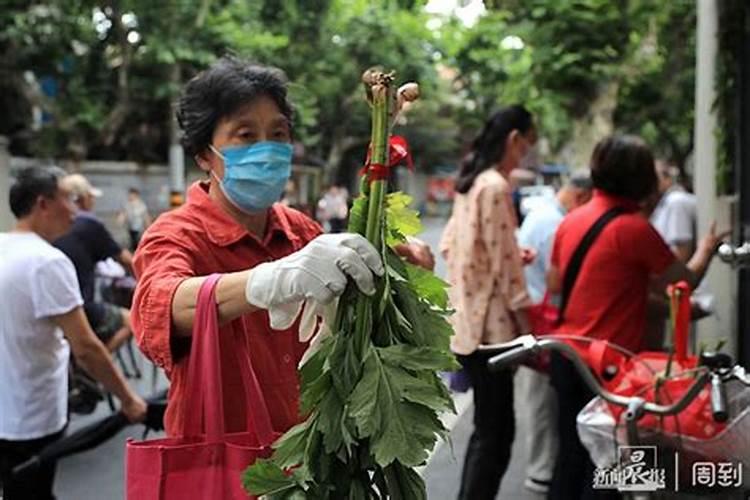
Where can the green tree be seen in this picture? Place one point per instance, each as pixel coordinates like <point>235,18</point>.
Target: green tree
<point>587,68</point>
<point>118,67</point>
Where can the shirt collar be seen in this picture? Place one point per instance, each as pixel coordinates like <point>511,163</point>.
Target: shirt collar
<point>223,230</point>
<point>611,200</point>
<point>86,214</point>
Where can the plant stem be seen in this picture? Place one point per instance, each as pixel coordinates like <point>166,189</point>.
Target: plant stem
<point>373,230</point>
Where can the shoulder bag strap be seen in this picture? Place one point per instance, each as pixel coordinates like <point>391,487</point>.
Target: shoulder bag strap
<point>574,267</point>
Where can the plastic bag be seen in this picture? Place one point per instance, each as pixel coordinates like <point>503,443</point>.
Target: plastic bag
<point>601,437</point>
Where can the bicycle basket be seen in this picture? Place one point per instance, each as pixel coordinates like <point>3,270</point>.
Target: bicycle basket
<point>601,436</point>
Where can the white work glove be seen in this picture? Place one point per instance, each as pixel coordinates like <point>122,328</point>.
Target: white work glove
<point>317,273</point>
<point>316,324</point>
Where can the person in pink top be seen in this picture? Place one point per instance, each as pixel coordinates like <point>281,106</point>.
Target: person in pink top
<point>488,289</point>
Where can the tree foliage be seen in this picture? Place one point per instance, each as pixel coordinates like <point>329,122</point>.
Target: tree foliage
<point>104,75</point>
<point>574,49</point>
<point>88,79</point>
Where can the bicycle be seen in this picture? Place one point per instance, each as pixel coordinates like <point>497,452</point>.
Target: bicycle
<point>727,386</point>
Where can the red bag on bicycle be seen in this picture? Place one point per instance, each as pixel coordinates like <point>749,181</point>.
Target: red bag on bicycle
<point>638,375</point>
<point>198,464</point>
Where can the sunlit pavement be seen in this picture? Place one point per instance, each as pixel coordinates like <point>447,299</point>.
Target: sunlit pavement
<point>99,474</point>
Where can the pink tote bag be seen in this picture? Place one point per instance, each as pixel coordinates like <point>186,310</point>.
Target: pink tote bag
<point>203,465</point>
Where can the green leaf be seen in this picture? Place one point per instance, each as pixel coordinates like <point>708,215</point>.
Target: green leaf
<point>264,477</point>
<point>358,215</point>
<point>345,368</point>
<point>409,432</point>
<point>288,450</point>
<point>313,367</point>
<point>364,406</point>
<point>331,414</point>
<point>404,483</point>
<point>421,389</point>
<point>400,219</point>
<point>358,491</point>
<point>427,285</point>
<point>417,358</point>
<point>438,328</point>
<point>406,302</point>
<point>314,392</point>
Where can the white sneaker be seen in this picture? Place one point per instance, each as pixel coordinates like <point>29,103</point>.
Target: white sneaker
<point>536,485</point>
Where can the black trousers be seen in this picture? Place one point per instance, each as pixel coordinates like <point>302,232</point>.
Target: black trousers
<point>135,238</point>
<point>573,477</point>
<point>488,453</point>
<point>36,485</point>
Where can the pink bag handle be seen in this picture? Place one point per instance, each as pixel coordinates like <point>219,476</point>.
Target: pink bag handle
<point>206,400</point>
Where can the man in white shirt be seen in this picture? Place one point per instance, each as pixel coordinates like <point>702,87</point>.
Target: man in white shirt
<point>41,319</point>
<point>675,214</point>
<point>675,218</point>
<point>536,399</point>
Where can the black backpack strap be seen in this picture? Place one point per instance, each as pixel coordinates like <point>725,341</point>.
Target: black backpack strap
<point>574,267</point>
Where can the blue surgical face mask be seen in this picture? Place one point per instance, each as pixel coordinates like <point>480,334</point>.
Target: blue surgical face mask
<point>255,175</point>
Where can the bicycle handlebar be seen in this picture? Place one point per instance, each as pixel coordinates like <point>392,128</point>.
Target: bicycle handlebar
<point>718,399</point>
<point>512,352</point>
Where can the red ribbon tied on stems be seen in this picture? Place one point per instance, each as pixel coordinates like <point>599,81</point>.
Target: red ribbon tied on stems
<point>398,152</point>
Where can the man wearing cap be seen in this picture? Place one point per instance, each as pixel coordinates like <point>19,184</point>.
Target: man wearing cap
<point>87,243</point>
<point>537,401</point>
<point>41,322</point>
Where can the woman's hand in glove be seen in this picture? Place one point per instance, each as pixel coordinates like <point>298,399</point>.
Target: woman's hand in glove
<point>317,273</point>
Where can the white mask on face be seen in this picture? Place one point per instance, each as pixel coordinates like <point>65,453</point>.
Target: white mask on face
<point>531,158</point>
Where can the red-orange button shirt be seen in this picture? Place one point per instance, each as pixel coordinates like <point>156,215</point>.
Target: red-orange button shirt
<point>199,239</point>
<point>608,300</point>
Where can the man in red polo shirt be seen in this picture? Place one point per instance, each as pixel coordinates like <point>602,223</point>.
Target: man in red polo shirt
<point>236,121</point>
<point>608,299</point>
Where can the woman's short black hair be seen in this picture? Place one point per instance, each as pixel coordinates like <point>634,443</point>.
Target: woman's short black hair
<point>623,165</point>
<point>220,91</point>
<point>30,184</point>
<point>489,146</point>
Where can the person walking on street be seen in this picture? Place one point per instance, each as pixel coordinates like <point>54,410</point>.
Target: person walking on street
<point>41,320</point>
<point>333,209</point>
<point>488,289</point>
<point>135,216</point>
<point>87,243</point>
<point>535,397</point>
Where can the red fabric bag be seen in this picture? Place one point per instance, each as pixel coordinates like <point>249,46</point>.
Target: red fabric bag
<point>637,375</point>
<point>203,465</point>
<point>542,320</point>
<point>543,316</point>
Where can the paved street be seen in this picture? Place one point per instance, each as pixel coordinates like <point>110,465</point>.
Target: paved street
<point>98,474</point>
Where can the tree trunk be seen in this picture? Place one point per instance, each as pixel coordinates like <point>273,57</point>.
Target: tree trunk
<point>121,110</point>
<point>591,128</point>
<point>341,144</point>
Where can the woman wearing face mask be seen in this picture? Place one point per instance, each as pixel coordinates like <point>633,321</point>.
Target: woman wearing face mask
<point>485,269</point>
<point>236,123</point>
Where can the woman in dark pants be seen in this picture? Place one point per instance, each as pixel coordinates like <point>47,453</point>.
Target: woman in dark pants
<point>488,289</point>
<point>488,452</point>
<point>574,462</point>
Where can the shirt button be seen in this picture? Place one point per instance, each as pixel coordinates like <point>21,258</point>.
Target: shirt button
<point>287,358</point>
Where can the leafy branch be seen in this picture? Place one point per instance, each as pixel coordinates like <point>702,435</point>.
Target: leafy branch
<point>371,392</point>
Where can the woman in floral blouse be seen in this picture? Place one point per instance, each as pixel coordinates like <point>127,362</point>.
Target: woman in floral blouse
<point>485,269</point>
